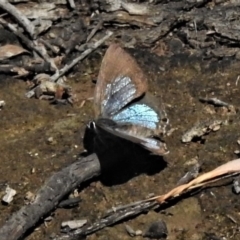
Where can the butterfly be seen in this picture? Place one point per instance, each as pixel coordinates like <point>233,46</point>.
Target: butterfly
<point>122,105</point>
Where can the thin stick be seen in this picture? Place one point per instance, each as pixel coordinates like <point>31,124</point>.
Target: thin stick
<point>109,220</point>
<point>49,46</point>
<point>23,21</point>
<point>229,168</point>
<point>48,197</point>
<point>72,4</point>
<point>94,30</point>
<point>28,42</point>
<point>67,67</point>
<point>122,212</point>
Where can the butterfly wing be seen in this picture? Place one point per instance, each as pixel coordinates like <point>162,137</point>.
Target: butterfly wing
<point>119,82</point>
<point>137,135</point>
<point>146,113</point>
<point>138,123</point>
<point>138,114</point>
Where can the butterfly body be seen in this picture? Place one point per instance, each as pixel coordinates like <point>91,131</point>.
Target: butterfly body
<point>123,109</point>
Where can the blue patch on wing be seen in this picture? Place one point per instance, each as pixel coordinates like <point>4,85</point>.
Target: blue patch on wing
<point>138,114</point>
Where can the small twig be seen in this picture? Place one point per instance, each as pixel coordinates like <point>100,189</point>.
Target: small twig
<point>122,207</point>
<point>67,67</point>
<point>49,46</point>
<point>72,4</point>
<point>83,47</point>
<point>122,212</point>
<point>23,21</point>
<point>28,42</point>
<point>228,169</point>
<point>214,101</point>
<point>110,220</point>
<point>13,29</point>
<point>238,77</point>
<point>58,186</point>
<point>41,48</point>
<point>94,30</point>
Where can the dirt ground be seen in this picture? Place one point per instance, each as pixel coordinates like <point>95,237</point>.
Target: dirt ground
<point>28,159</point>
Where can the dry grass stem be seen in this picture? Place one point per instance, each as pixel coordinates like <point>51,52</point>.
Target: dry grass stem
<point>227,170</point>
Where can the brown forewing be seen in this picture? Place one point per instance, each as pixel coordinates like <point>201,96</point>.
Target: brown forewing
<point>117,62</point>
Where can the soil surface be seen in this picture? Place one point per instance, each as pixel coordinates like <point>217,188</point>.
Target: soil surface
<point>28,158</point>
<point>38,138</point>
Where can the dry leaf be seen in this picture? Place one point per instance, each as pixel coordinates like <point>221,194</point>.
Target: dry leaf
<point>44,10</point>
<point>9,50</point>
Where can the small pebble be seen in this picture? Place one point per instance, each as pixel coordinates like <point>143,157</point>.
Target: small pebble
<point>74,224</point>
<point>138,233</point>
<point>236,185</point>
<point>50,140</point>
<point>10,193</point>
<point>2,104</point>
<point>52,35</point>
<point>53,236</point>
<point>48,219</point>
<point>237,152</point>
<point>157,230</point>
<point>29,197</point>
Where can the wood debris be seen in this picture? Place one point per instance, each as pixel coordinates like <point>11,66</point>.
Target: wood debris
<point>228,169</point>
<point>201,129</point>
<point>215,101</point>
<point>21,18</point>
<point>74,224</point>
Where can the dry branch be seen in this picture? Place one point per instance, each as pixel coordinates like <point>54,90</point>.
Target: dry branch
<point>49,196</point>
<point>26,24</point>
<point>72,4</point>
<point>130,210</point>
<point>67,67</point>
<point>229,168</point>
<point>28,42</point>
